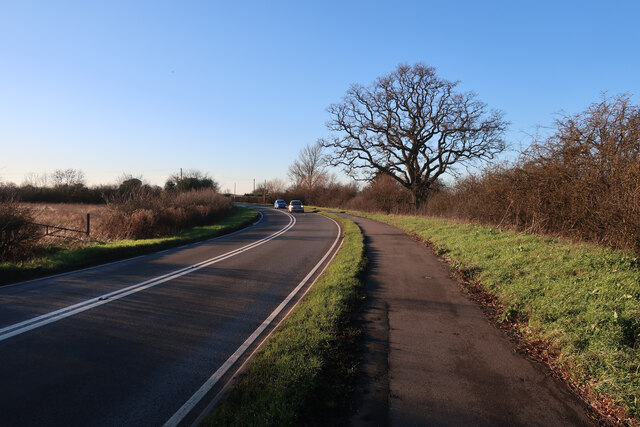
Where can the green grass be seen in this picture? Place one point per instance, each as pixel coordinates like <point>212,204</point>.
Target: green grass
<point>305,369</point>
<point>581,299</point>
<point>98,253</point>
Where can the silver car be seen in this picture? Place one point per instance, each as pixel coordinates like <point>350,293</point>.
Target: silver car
<point>296,206</point>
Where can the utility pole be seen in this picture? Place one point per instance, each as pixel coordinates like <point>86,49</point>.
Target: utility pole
<point>264,192</point>
<point>254,186</point>
<point>234,191</point>
<point>180,174</point>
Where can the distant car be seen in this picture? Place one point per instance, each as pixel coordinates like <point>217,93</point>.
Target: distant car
<point>280,204</point>
<point>296,206</point>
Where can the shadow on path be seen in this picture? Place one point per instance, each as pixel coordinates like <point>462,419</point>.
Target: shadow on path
<point>431,357</point>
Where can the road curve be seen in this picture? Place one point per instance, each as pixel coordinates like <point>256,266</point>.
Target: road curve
<point>143,335</point>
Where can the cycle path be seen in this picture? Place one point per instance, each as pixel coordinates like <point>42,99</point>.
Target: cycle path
<point>433,358</point>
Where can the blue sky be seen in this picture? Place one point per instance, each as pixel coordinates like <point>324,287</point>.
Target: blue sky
<point>236,89</point>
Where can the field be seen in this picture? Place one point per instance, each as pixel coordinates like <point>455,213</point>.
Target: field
<point>128,225</point>
<point>56,259</point>
<point>72,216</point>
<point>28,231</point>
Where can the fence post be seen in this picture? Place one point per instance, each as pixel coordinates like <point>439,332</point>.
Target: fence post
<point>88,223</point>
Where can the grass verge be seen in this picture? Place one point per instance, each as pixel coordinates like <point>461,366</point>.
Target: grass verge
<point>578,305</point>
<point>99,253</point>
<point>304,373</point>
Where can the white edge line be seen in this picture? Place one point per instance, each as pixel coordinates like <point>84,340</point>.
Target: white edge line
<point>261,216</point>
<point>42,320</point>
<point>93,267</point>
<point>231,380</point>
<point>211,382</point>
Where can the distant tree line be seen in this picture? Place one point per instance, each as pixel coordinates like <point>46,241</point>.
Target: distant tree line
<point>69,186</point>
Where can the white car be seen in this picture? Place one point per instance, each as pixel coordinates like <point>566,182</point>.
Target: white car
<point>296,206</point>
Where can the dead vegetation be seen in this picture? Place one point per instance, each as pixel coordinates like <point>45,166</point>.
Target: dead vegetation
<point>140,213</point>
<point>583,182</point>
<point>144,213</point>
<point>17,232</point>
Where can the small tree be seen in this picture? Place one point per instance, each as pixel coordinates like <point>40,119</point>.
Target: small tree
<point>68,178</point>
<point>308,170</point>
<point>276,186</point>
<point>191,180</point>
<point>130,185</point>
<point>413,126</point>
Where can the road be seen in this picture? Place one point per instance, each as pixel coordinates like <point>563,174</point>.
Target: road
<point>146,341</point>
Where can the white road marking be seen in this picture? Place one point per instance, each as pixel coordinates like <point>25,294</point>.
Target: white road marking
<point>54,316</point>
<point>211,382</point>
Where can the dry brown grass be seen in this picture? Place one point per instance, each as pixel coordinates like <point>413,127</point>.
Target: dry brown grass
<point>68,215</point>
<point>139,215</point>
<point>135,215</point>
<point>143,213</point>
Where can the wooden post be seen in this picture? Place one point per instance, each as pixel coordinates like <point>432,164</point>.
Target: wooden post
<point>88,223</point>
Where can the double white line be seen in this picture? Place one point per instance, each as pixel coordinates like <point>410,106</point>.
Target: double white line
<point>178,417</point>
<point>36,322</point>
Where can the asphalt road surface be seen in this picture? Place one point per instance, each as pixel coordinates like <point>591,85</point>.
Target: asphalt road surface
<point>146,341</point>
<point>433,359</point>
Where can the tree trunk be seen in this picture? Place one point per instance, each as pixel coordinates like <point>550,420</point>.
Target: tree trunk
<point>419,194</point>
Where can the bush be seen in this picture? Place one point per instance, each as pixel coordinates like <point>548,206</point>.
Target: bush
<point>17,231</point>
<point>145,212</point>
<point>582,182</point>
<point>384,194</point>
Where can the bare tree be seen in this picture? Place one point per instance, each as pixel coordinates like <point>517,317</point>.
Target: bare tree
<point>412,126</point>
<point>34,180</point>
<point>67,178</point>
<point>276,186</point>
<point>308,170</point>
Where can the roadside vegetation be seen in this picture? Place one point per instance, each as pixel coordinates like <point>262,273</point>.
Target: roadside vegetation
<point>60,258</point>
<point>576,305</point>
<point>145,213</point>
<point>305,372</point>
<point>133,210</point>
<point>581,181</point>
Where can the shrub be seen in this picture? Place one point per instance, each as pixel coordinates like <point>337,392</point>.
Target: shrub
<point>582,182</point>
<point>17,231</point>
<point>145,212</point>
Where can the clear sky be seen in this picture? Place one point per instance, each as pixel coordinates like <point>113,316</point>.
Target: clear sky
<point>237,88</point>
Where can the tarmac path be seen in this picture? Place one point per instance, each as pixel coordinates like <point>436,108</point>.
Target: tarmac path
<point>432,358</point>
